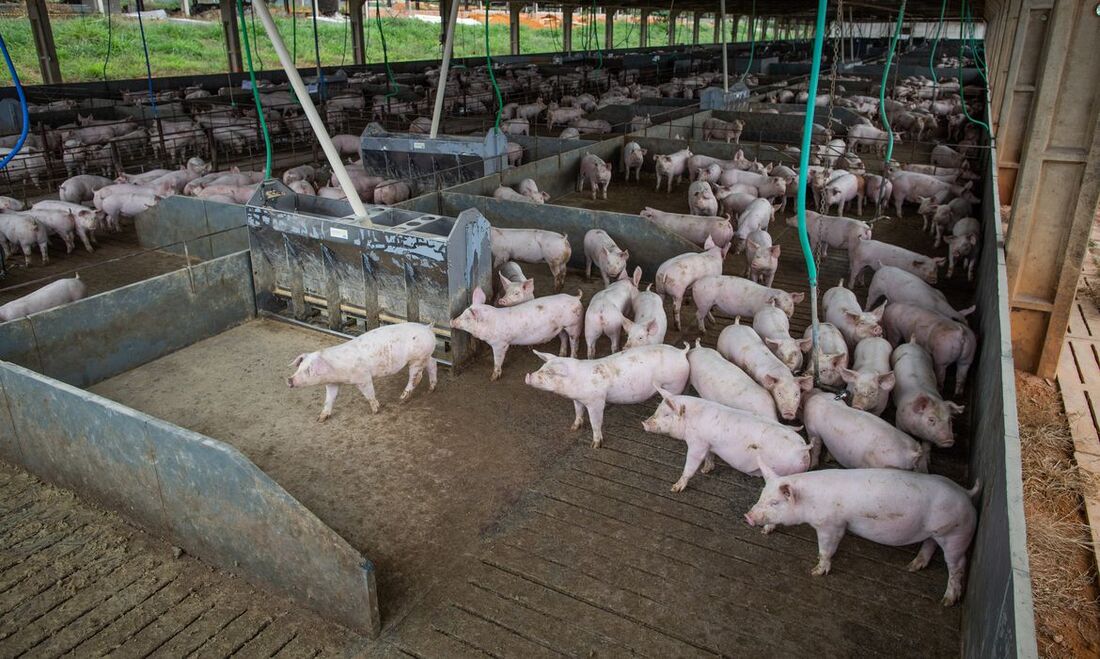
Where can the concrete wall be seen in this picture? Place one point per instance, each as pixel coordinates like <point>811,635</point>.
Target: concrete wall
<point>101,336</point>
<point>998,620</point>
<point>198,493</point>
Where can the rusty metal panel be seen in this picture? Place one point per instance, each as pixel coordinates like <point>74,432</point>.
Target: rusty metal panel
<point>196,492</point>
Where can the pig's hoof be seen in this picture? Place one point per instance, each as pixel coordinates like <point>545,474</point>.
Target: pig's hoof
<point>374,407</point>
<point>405,395</point>
<point>768,528</point>
<point>679,486</point>
<point>577,425</point>
<point>707,467</point>
<point>495,376</point>
<point>431,387</point>
<point>323,416</point>
<point>916,565</point>
<point>819,570</point>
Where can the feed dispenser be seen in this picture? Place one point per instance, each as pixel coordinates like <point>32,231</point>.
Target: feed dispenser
<point>430,163</point>
<point>314,262</point>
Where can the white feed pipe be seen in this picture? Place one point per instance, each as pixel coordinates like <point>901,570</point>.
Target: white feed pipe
<point>445,68</point>
<point>315,122</point>
<point>725,64</point>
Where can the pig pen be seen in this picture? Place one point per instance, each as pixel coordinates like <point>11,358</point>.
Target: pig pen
<point>514,537</point>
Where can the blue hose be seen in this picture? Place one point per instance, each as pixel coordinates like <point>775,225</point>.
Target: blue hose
<point>148,67</point>
<point>22,103</point>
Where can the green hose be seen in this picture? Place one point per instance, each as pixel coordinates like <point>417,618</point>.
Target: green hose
<point>882,86</point>
<point>385,54</point>
<point>596,32</point>
<point>935,45</point>
<point>255,92</point>
<point>979,62</point>
<point>489,64</point>
<point>962,96</point>
<point>752,46</point>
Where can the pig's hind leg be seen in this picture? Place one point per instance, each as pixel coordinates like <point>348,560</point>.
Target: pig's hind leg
<point>330,397</point>
<point>578,419</point>
<point>954,554</point>
<point>828,539</point>
<point>595,418</point>
<point>927,550</point>
<point>708,463</point>
<point>433,368</point>
<point>416,372</point>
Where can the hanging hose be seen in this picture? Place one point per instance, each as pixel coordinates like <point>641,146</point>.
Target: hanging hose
<point>385,53</point>
<point>110,37</point>
<point>804,172</point>
<point>752,47</point>
<point>596,32</point>
<point>317,56</point>
<point>255,91</point>
<point>979,61</point>
<point>148,66</point>
<point>255,36</point>
<point>962,96</point>
<point>22,105</point>
<point>882,87</point>
<point>935,45</point>
<point>492,76</point>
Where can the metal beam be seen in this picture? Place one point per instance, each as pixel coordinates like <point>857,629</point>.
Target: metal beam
<point>513,25</point>
<point>232,36</point>
<point>643,29</point>
<point>358,40</point>
<point>566,29</point>
<point>1057,188</point>
<point>43,41</point>
<point>609,28</point>
<point>696,20</point>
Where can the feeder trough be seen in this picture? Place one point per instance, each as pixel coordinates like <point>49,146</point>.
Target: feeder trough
<point>312,259</point>
<point>432,163</point>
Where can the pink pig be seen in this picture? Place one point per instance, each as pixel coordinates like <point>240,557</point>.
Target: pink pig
<point>743,346</point>
<point>887,506</point>
<point>596,172</point>
<point>948,341</point>
<point>736,296</point>
<point>650,322</point>
<point>600,249</point>
<point>740,438</point>
<point>526,324</point>
<point>714,378</point>
<point>671,166</point>
<point>897,285</point>
<point>840,307</point>
<point>858,439</point>
<point>377,353</point>
<point>532,246</point>
<point>607,309</point>
<point>676,275</point>
<point>628,377</point>
<point>762,258</point>
<point>875,254</point>
<point>921,411</point>
<point>870,379</point>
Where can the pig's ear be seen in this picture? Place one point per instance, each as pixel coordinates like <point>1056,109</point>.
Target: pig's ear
<point>528,286</point>
<point>848,375</point>
<point>666,397</point>
<point>637,272</point>
<point>751,244</point>
<point>838,360</point>
<point>804,345</point>
<point>297,360</point>
<point>853,316</point>
<point>775,251</point>
<point>879,311</point>
<point>544,356</point>
<point>769,382</point>
<point>887,381</point>
<point>765,470</point>
<point>772,343</point>
<point>503,280</point>
<point>940,260</point>
<point>479,296</point>
<point>627,324</point>
<point>651,327</point>
<point>788,492</point>
<point>709,242</point>
<point>797,297</point>
<point>921,403</point>
<point>606,252</point>
<point>955,407</point>
<point>805,383</point>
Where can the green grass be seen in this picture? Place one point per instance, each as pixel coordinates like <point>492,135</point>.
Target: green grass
<point>198,48</point>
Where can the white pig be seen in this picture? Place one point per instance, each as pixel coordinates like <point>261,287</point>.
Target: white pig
<point>875,254</point>
<point>526,324</point>
<point>948,341</point>
<point>920,411</point>
<point>633,159</point>
<point>676,275</point>
<point>870,380</point>
<point>743,346</point>
<point>715,378</point>
<point>755,218</point>
<point>692,228</point>
<point>701,199</point>
<point>627,377</point>
<point>858,439</point>
<point>532,246</point>
<point>832,353</point>
<point>743,440</point>
<point>840,307</point>
<point>380,352</point>
<point>775,328</point>
<point>962,245</point>
<point>737,296</point>
<point>671,166</point>
<point>762,258</point>
<point>607,309</point>
<point>596,172</point>
<point>887,506</point>
<point>18,228</point>
<point>54,294</point>
<point>515,287</point>
<point>650,322</point>
<point>600,249</point>
<point>827,231</point>
<point>528,188</point>
<point>902,286</point>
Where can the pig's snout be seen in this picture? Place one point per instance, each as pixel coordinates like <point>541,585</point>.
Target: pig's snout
<point>527,379</point>
<point>749,519</point>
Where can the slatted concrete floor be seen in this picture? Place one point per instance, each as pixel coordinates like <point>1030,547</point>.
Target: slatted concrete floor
<point>78,581</point>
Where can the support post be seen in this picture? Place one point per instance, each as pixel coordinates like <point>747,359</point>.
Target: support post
<point>672,27</point>
<point>232,36</point>
<point>696,20</point>
<point>1057,186</point>
<point>717,27</point>
<point>513,25</point>
<point>358,41</point>
<point>43,41</point>
<point>643,29</point>
<point>567,29</point>
<point>609,28</point>
<point>736,26</point>
<point>185,7</point>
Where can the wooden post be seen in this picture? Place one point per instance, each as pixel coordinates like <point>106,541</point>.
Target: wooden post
<point>717,27</point>
<point>672,27</point>
<point>232,35</point>
<point>43,41</point>
<point>513,25</point>
<point>358,40</point>
<point>643,29</point>
<point>736,26</point>
<point>567,29</point>
<point>696,20</point>
<point>609,28</point>
<point>1057,185</point>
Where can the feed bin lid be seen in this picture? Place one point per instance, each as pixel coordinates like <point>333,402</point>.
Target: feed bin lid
<point>432,163</point>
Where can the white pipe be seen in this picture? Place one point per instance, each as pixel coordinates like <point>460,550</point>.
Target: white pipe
<point>445,67</point>
<point>725,62</point>
<point>315,122</point>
